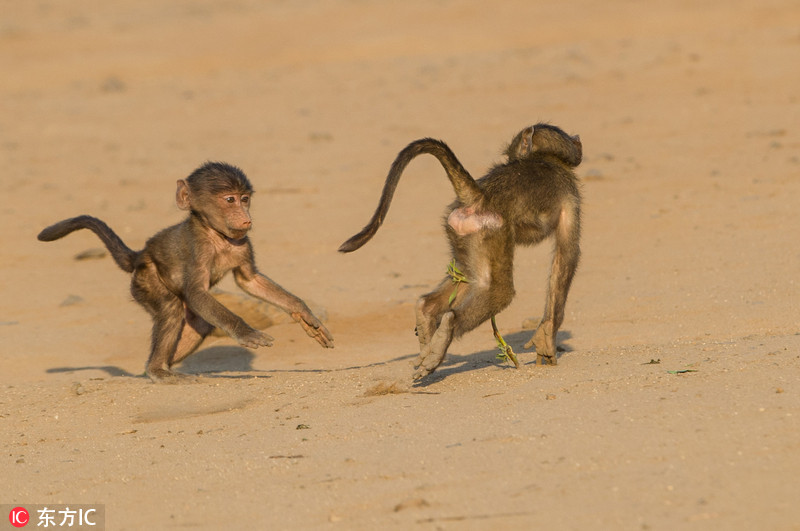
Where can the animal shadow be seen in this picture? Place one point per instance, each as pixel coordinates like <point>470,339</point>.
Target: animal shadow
<point>213,361</point>
<point>457,363</point>
<point>210,362</point>
<point>108,369</point>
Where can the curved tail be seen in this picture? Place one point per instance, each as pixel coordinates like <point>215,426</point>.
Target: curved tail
<point>467,190</point>
<point>123,255</point>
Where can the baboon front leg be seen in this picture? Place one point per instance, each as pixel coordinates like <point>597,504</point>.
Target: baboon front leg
<point>544,338</point>
<point>565,262</point>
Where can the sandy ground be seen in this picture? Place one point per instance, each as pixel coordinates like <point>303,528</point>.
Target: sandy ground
<point>689,118</point>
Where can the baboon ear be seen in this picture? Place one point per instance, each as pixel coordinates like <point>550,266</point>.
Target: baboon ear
<point>182,195</point>
<point>525,143</point>
<point>576,141</point>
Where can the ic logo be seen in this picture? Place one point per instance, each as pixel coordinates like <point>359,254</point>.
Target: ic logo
<point>18,517</point>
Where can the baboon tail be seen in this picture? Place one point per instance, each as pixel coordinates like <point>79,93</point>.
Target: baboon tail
<point>467,190</point>
<point>123,255</point>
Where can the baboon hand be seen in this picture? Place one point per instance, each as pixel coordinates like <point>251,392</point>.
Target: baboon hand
<point>254,339</point>
<point>314,328</point>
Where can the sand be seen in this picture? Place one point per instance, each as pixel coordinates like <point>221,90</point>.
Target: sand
<point>676,400</point>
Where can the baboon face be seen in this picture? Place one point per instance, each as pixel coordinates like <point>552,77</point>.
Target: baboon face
<point>231,216</point>
<point>220,194</point>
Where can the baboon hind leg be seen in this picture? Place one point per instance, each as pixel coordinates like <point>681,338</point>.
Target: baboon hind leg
<point>473,305</point>
<point>437,347</point>
<point>170,317</point>
<point>168,326</point>
<point>430,311</point>
<point>195,330</point>
<point>166,334</point>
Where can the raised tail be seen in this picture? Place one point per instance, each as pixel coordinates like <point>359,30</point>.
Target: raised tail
<point>123,255</point>
<point>467,190</point>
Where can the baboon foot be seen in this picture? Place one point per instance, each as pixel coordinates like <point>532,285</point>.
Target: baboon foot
<point>427,362</point>
<point>423,331</point>
<point>544,339</point>
<point>546,360</point>
<point>166,376</point>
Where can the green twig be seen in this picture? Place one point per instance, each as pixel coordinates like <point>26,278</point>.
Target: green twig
<point>457,277</point>
<point>506,353</point>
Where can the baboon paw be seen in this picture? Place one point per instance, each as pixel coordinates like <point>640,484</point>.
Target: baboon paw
<point>165,376</point>
<point>546,360</point>
<point>424,352</point>
<point>314,328</point>
<point>422,372</point>
<point>432,354</point>
<point>544,341</point>
<point>425,365</point>
<point>529,344</point>
<point>255,339</point>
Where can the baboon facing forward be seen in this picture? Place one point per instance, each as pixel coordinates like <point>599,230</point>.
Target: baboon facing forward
<point>173,273</point>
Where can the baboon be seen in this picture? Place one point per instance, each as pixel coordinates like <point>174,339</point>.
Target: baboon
<point>531,196</point>
<point>176,268</point>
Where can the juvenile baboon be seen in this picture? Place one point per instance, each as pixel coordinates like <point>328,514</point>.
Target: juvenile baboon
<point>176,268</point>
<point>531,196</point>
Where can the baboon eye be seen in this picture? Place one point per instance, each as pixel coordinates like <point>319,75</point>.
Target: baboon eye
<point>245,199</point>
<point>230,199</point>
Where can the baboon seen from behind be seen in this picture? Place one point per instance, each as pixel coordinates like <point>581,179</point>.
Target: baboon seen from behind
<point>533,195</point>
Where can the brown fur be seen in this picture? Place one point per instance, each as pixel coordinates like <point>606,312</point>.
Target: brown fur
<point>176,268</point>
<point>532,196</point>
